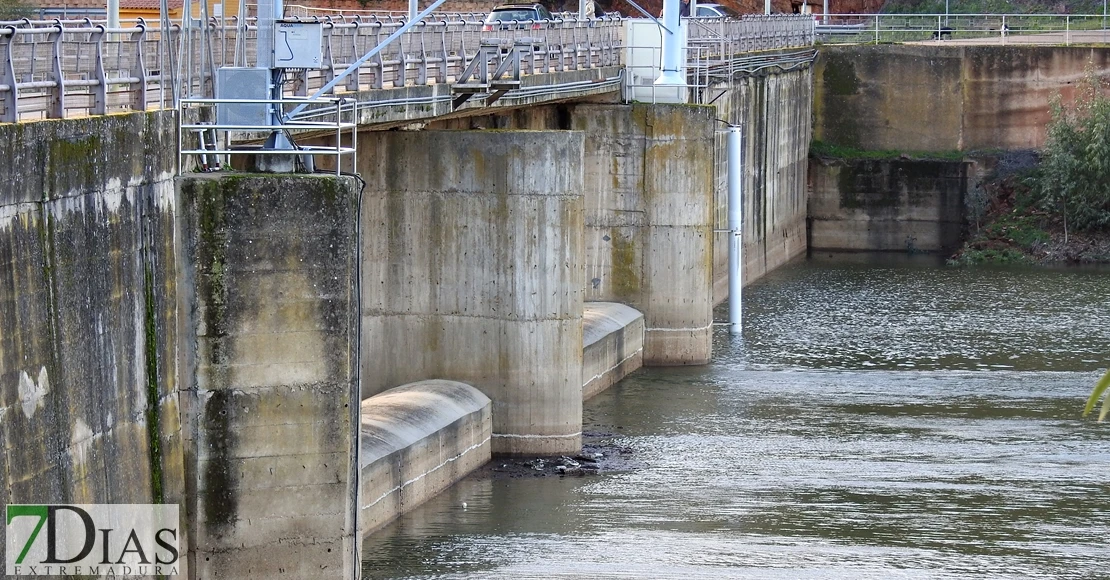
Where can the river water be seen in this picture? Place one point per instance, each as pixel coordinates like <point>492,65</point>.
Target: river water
<point>877,420</point>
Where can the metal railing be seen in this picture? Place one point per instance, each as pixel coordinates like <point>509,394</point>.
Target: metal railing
<point>215,140</point>
<point>725,37</point>
<point>1041,29</point>
<point>57,69</point>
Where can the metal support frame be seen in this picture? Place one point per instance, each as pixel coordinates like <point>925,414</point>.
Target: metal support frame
<point>506,59</point>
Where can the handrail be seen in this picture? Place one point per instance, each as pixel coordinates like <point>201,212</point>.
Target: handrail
<point>200,129</point>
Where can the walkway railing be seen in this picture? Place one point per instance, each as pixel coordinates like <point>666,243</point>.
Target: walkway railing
<point>55,70</point>
<point>58,69</point>
<point>1044,29</point>
<point>727,37</point>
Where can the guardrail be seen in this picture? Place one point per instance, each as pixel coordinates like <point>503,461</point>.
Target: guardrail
<point>726,37</point>
<point>1050,29</point>
<point>214,140</point>
<point>55,69</point>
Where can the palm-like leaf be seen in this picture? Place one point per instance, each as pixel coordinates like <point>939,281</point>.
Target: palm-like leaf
<point>1100,389</point>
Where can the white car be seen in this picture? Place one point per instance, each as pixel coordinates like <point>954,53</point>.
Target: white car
<point>713,11</point>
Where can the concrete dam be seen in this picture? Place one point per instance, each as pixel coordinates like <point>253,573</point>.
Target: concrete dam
<point>295,360</point>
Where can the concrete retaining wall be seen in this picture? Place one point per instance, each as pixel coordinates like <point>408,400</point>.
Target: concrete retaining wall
<point>268,279</point>
<point>88,394</point>
<point>613,345</point>
<point>417,440</point>
<point>901,206</point>
<point>472,270</point>
<point>648,175</point>
<point>928,98</point>
<point>775,113</point>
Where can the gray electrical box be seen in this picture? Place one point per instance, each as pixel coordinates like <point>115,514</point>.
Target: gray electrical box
<point>298,44</point>
<point>242,83</point>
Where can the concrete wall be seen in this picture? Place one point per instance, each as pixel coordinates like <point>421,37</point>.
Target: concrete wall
<point>472,271</point>
<point>775,114</point>
<point>649,202</point>
<point>929,98</point>
<point>88,391</point>
<point>417,440</point>
<point>613,345</point>
<point>268,280</point>
<point>898,205</point>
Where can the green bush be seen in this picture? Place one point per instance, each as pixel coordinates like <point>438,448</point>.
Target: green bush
<point>1074,180</point>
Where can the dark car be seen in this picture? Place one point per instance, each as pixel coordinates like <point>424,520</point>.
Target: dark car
<point>515,16</point>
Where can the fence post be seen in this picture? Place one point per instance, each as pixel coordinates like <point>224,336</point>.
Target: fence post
<point>57,108</point>
<point>100,94</point>
<point>7,77</point>
<point>138,70</point>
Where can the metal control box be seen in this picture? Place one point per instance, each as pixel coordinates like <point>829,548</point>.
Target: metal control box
<point>298,44</point>
<point>243,84</point>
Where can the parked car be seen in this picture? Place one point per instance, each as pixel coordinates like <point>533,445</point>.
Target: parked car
<point>514,16</point>
<point>713,11</point>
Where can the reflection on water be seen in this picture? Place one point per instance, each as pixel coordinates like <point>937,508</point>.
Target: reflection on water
<point>876,421</point>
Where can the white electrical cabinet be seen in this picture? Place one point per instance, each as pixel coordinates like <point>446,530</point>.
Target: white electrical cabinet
<point>298,44</point>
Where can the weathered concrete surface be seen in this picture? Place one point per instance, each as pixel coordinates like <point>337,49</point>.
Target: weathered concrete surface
<point>900,206</point>
<point>775,113</point>
<point>612,345</point>
<point>649,241</point>
<point>268,279</point>
<point>417,440</point>
<point>472,270</point>
<point>88,397</point>
<point>928,98</point>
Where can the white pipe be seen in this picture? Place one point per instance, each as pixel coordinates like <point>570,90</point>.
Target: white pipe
<point>735,224</point>
<point>672,47</point>
<point>113,13</point>
<point>766,6</point>
<point>414,9</point>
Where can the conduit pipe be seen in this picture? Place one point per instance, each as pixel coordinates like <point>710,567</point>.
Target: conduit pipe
<point>734,147</point>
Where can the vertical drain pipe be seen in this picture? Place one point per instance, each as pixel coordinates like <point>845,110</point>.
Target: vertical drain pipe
<point>735,222</point>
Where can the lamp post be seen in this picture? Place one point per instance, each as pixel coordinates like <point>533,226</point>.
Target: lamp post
<point>946,12</point>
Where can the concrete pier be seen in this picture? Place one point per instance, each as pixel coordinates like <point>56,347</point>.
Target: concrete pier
<point>417,440</point>
<point>269,272</point>
<point>613,345</point>
<point>472,271</point>
<point>649,199</point>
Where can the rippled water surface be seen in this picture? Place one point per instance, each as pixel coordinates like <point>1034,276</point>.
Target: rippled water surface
<point>875,421</point>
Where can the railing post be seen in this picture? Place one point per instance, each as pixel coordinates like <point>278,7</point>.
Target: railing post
<point>441,70</point>
<point>100,92</point>
<point>138,70</point>
<point>1067,30</point>
<point>57,108</point>
<point>422,64</point>
<point>7,77</point>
